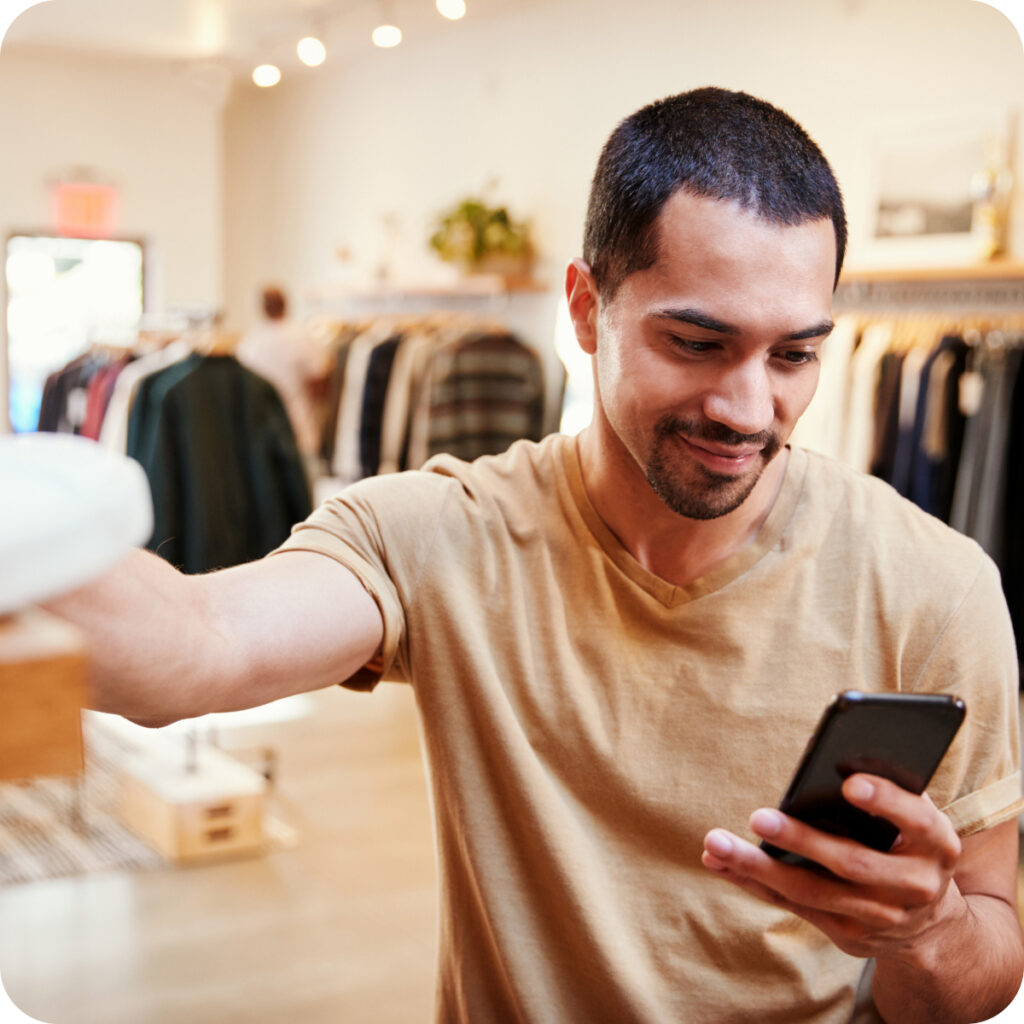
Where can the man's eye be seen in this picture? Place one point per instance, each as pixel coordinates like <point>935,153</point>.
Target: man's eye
<point>691,346</point>
<point>799,357</point>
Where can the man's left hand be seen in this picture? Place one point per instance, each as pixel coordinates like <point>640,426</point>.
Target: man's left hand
<point>874,904</point>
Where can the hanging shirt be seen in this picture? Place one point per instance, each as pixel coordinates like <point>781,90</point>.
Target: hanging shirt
<point>864,364</point>
<point>822,426</point>
<point>226,476</point>
<point>114,431</point>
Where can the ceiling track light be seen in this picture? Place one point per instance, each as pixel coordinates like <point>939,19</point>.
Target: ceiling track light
<point>266,75</point>
<point>311,51</point>
<point>451,9</point>
<point>386,36</point>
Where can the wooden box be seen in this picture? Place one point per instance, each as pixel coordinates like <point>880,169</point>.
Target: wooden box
<point>213,809</point>
<point>42,692</point>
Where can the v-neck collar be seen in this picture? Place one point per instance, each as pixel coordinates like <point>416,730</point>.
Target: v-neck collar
<point>669,594</point>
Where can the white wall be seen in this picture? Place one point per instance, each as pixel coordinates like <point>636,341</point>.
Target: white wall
<point>154,131</point>
<point>271,188</point>
<point>529,97</point>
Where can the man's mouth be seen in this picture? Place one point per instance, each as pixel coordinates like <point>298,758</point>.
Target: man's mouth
<point>721,458</point>
<point>724,451</point>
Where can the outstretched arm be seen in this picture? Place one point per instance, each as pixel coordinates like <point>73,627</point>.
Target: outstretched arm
<point>165,646</point>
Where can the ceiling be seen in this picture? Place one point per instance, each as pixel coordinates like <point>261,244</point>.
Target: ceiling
<point>237,33</point>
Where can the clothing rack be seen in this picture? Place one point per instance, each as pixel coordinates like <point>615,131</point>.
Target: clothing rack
<point>922,385</point>
<point>213,437</point>
<point>527,308</point>
<point>406,387</point>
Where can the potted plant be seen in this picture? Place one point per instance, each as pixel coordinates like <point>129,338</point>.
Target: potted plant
<point>483,239</point>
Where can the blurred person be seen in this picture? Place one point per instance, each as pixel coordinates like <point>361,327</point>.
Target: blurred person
<point>291,359</point>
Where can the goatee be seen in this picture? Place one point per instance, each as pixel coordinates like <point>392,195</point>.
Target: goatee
<point>707,495</point>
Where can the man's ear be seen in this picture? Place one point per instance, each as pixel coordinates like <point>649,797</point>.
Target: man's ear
<point>581,293</point>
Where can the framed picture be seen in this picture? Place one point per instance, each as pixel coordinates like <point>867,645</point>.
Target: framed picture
<point>926,184</point>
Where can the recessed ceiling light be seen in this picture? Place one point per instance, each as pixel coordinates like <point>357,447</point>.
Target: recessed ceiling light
<point>266,75</point>
<point>386,36</point>
<point>311,51</point>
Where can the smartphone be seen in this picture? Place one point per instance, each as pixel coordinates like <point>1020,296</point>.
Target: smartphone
<point>899,736</point>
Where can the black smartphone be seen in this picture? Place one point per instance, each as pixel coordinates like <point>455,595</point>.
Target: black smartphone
<point>899,736</point>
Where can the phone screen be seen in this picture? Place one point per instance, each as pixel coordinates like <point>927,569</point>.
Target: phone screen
<point>901,737</point>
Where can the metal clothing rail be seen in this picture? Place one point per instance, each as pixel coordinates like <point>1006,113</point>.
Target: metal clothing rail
<point>994,343</point>
<point>994,291</point>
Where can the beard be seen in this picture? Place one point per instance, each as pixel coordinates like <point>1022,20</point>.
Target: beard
<point>693,490</point>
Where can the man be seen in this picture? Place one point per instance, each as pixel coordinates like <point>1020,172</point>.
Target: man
<point>620,642</point>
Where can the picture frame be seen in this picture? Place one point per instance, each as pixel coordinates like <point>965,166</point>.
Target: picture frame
<point>924,186</point>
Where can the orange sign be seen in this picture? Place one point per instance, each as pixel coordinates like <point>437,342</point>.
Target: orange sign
<point>84,210</point>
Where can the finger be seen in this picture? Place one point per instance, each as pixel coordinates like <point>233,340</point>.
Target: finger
<point>905,881</point>
<point>755,888</point>
<point>800,887</point>
<point>850,934</point>
<point>845,858</point>
<point>920,822</point>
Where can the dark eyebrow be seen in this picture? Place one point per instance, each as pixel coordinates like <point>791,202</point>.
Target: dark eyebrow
<point>697,319</point>
<point>708,323</point>
<point>821,330</point>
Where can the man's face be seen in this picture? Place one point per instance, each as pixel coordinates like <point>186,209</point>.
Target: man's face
<point>706,360</point>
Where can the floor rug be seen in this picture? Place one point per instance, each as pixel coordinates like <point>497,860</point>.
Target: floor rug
<point>48,830</point>
<point>56,827</point>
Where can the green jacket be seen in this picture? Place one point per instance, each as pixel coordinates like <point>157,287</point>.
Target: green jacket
<point>226,476</point>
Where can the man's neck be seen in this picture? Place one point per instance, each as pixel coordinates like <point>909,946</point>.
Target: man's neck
<point>673,547</point>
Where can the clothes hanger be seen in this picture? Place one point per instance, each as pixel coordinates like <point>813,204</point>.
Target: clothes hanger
<point>214,341</point>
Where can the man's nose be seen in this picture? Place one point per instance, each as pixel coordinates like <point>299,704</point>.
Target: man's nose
<point>742,399</point>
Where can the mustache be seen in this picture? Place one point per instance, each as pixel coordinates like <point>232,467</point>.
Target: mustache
<point>716,433</point>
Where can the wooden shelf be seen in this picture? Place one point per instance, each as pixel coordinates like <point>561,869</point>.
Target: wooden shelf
<point>996,287</point>
<point>997,270</point>
<point>470,287</point>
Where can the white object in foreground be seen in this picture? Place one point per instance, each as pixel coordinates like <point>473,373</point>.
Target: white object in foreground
<point>69,509</point>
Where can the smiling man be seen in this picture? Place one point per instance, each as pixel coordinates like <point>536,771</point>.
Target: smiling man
<point>620,642</point>
<point>715,237</point>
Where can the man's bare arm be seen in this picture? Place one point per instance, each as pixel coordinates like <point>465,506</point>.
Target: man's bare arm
<point>165,646</point>
<point>971,967</point>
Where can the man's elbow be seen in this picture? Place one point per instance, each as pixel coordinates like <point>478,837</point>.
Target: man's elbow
<point>154,722</point>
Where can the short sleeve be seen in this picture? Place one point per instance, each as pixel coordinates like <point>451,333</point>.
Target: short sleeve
<point>382,530</point>
<point>978,784</point>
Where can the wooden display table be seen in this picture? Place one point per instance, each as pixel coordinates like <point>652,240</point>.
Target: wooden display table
<point>187,799</point>
<point>203,805</point>
<point>70,510</point>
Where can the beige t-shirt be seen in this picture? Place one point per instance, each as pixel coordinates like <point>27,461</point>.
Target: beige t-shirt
<point>586,722</point>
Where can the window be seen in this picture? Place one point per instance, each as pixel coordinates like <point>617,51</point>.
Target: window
<point>63,295</point>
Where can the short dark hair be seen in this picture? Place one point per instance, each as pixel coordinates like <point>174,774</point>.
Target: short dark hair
<point>275,305</point>
<point>714,144</point>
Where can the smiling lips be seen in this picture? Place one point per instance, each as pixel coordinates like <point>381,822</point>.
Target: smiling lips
<point>721,458</point>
